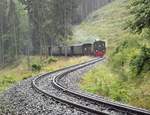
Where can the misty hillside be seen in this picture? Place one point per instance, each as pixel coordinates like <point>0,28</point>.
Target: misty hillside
<point>106,23</point>
<point>34,25</point>
<point>88,6</point>
<point>125,75</point>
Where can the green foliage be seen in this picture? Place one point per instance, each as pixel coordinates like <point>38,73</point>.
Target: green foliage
<point>104,82</point>
<point>19,71</point>
<point>119,91</point>
<point>140,9</point>
<point>50,21</point>
<point>129,42</point>
<point>140,61</point>
<point>6,82</point>
<point>62,13</point>
<point>125,77</point>
<point>36,67</point>
<point>123,54</point>
<point>52,59</point>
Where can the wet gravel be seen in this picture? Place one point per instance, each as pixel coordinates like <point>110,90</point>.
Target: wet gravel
<point>22,99</point>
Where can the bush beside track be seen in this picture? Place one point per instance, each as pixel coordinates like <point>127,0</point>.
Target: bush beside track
<point>19,70</point>
<point>125,77</point>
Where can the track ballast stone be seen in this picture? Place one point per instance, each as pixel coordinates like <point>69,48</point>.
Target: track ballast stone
<point>22,99</point>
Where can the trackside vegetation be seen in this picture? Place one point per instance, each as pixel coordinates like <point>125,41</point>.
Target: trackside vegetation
<point>18,71</point>
<point>125,77</point>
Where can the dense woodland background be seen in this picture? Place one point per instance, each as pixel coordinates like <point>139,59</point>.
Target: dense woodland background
<point>30,26</point>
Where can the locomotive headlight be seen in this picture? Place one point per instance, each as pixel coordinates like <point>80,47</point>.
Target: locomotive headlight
<point>97,39</point>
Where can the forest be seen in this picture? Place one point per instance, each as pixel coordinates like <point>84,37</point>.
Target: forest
<point>28,27</point>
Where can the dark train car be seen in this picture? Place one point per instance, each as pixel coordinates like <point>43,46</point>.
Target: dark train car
<point>76,49</point>
<point>66,51</point>
<point>55,51</point>
<point>71,50</point>
<point>99,48</point>
<point>87,49</point>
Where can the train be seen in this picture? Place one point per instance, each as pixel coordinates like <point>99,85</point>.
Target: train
<point>97,48</point>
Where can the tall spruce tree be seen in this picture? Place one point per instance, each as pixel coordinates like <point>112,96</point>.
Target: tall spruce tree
<point>39,16</point>
<point>9,32</point>
<point>50,21</point>
<point>62,14</point>
<point>3,7</point>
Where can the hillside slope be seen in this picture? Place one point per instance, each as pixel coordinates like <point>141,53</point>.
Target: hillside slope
<point>125,76</point>
<point>106,23</point>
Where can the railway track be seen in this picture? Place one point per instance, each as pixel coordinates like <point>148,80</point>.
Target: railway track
<point>84,102</point>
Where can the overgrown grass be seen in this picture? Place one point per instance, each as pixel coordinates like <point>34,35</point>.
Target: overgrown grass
<point>106,83</point>
<point>106,24</point>
<point>17,72</point>
<point>103,81</point>
<point>125,77</point>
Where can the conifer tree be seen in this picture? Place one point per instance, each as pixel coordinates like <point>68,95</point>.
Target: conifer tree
<point>62,13</point>
<point>9,32</point>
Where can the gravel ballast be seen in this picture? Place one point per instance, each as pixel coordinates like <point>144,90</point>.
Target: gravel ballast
<point>22,99</point>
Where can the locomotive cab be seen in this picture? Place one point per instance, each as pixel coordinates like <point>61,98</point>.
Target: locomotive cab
<point>99,48</point>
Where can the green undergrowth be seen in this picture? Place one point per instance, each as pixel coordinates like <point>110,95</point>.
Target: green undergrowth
<point>103,81</point>
<point>19,71</point>
<point>125,77</point>
<point>105,24</point>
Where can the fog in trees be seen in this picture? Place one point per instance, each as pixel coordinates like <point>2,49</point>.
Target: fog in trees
<point>29,27</point>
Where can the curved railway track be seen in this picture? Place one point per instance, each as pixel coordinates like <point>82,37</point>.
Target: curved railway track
<point>84,102</point>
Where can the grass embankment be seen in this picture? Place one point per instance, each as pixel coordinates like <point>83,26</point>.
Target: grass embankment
<point>17,72</point>
<point>105,24</point>
<point>126,75</point>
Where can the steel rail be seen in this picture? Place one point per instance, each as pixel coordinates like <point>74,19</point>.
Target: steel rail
<point>79,106</point>
<point>115,105</point>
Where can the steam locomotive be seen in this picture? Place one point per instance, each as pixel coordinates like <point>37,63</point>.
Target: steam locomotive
<point>97,48</point>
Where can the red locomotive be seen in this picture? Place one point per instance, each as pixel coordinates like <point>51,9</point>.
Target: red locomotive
<point>97,48</point>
